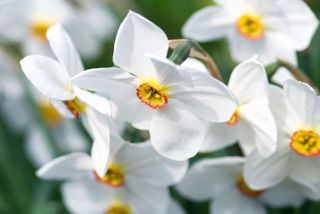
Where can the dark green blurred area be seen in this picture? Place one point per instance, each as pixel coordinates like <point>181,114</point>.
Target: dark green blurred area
<point>22,193</point>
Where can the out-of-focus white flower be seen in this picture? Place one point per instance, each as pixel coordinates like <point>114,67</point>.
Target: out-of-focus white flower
<point>53,78</point>
<point>297,111</point>
<point>256,27</point>
<point>252,123</point>
<point>136,180</point>
<point>155,94</point>
<point>281,76</point>
<point>27,21</point>
<point>221,181</point>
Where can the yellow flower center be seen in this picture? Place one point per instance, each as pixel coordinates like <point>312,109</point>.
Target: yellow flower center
<point>119,208</point>
<point>49,114</point>
<point>305,143</point>
<point>245,189</point>
<point>250,26</point>
<point>234,118</point>
<point>114,176</point>
<point>75,106</point>
<point>152,94</point>
<point>40,27</point>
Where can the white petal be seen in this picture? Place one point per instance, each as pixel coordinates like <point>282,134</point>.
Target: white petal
<point>258,115</point>
<point>305,171</point>
<point>209,98</point>
<point>143,163</point>
<point>142,198</point>
<point>301,20</point>
<point>208,24</point>
<point>136,37</point>
<point>86,196</point>
<point>209,178</point>
<point>287,193</point>
<point>261,173</point>
<point>176,133</point>
<point>281,76</point>
<point>62,108</point>
<point>175,208</point>
<point>248,80</point>
<point>47,76</point>
<point>95,101</point>
<point>107,80</point>
<point>218,136</point>
<point>304,101</point>
<point>100,152</point>
<point>69,166</point>
<point>64,49</point>
<point>233,202</point>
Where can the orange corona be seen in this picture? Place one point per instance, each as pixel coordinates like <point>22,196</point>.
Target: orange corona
<point>245,189</point>
<point>152,94</point>
<point>305,143</point>
<point>114,176</point>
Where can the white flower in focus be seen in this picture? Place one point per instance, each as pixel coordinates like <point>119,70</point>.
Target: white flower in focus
<point>136,181</point>
<point>252,123</point>
<point>297,111</point>
<point>220,180</point>
<point>53,77</point>
<point>256,27</point>
<point>155,94</point>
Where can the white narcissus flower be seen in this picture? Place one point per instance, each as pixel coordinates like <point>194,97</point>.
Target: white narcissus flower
<point>53,77</point>
<point>256,27</point>
<point>155,94</point>
<point>220,180</point>
<point>137,181</point>
<point>297,112</point>
<point>252,124</point>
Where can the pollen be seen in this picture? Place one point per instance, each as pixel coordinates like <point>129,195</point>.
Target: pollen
<point>75,106</point>
<point>234,118</point>
<point>245,189</point>
<point>118,208</point>
<point>49,114</point>
<point>114,176</point>
<point>152,94</point>
<point>250,26</point>
<point>40,27</point>
<point>305,143</point>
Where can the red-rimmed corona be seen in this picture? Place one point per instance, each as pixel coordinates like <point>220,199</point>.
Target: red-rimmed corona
<point>305,143</point>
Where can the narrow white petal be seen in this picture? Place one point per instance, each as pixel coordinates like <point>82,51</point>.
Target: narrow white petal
<point>259,117</point>
<point>47,76</point>
<point>64,49</point>
<point>249,80</point>
<point>69,166</point>
<point>136,37</point>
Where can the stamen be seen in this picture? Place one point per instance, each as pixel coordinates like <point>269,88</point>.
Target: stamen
<point>75,106</point>
<point>118,208</point>
<point>39,28</point>
<point>245,189</point>
<point>250,26</point>
<point>234,118</point>
<point>152,94</point>
<point>49,114</point>
<point>305,143</point>
<point>114,176</point>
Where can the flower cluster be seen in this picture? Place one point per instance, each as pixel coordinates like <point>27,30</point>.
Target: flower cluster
<point>182,110</point>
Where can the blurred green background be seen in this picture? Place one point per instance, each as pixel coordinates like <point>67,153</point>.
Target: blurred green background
<point>22,193</point>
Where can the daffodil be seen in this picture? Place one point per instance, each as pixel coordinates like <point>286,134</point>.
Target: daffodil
<point>252,123</point>
<point>221,181</point>
<point>136,180</point>
<point>296,109</point>
<point>157,95</point>
<point>53,78</point>
<point>256,27</point>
